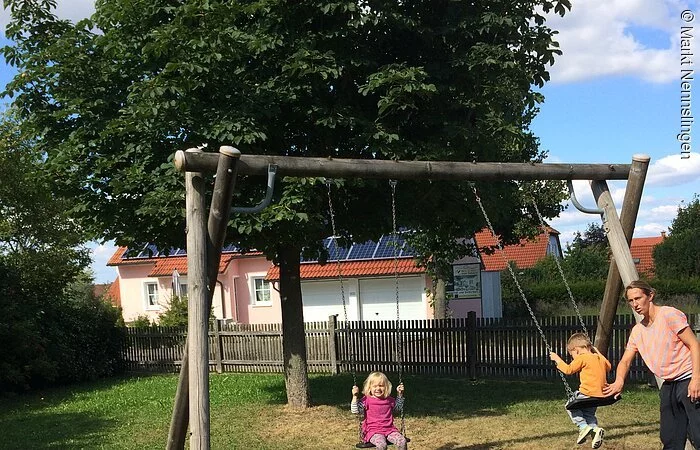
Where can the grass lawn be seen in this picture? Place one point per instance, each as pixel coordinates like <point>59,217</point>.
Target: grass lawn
<point>248,412</point>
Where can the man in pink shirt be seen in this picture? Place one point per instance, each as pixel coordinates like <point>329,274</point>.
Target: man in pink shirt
<point>671,351</point>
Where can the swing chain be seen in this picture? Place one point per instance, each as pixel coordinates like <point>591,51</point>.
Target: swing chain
<point>334,240</point>
<point>569,391</point>
<point>399,338</point>
<point>563,277</point>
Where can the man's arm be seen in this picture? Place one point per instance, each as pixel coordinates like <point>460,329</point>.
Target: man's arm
<point>623,368</point>
<point>690,341</point>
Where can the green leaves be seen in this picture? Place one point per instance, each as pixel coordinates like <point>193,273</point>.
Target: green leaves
<point>109,100</point>
<point>677,256</point>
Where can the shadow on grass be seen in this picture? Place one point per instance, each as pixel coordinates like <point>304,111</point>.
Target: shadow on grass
<point>446,397</point>
<point>651,428</point>
<point>52,430</point>
<point>41,418</point>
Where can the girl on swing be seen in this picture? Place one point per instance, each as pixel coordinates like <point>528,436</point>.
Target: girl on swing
<point>377,406</point>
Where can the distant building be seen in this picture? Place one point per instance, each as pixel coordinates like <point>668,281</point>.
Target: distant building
<point>247,283</point>
<point>642,250</point>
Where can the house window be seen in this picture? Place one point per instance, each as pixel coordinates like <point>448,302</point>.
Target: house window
<point>150,293</point>
<point>261,292</point>
<point>553,247</point>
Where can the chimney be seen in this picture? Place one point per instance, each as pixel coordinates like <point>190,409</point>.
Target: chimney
<point>663,235</point>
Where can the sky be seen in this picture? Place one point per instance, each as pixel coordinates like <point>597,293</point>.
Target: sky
<point>614,92</point>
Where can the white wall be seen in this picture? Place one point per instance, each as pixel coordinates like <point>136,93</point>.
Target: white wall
<point>491,300</point>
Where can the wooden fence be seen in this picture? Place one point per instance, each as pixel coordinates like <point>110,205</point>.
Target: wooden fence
<point>469,347</point>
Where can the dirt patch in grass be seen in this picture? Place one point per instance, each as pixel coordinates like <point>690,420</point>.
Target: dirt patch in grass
<point>324,427</point>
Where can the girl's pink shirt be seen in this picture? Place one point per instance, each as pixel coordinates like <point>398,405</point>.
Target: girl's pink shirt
<point>378,416</point>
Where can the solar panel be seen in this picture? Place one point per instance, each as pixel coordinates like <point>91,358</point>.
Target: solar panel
<point>149,251</point>
<point>387,247</point>
<point>363,251</point>
<point>407,250</point>
<point>179,251</point>
<point>337,253</point>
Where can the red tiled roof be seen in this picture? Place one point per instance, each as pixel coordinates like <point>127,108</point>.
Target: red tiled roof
<point>116,258</point>
<point>165,266</point>
<point>525,254</point>
<point>352,269</point>
<point>113,293</point>
<point>642,249</point>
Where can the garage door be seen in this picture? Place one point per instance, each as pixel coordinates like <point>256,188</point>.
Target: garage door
<point>322,299</point>
<point>378,298</point>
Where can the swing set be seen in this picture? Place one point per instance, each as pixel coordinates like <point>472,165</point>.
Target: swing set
<point>399,346</point>
<point>206,235</point>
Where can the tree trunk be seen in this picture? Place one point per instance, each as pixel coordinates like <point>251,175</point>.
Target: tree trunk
<point>439,301</point>
<point>296,375</point>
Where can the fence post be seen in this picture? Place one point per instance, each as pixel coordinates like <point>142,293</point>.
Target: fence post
<point>471,344</point>
<point>218,349</point>
<point>332,355</point>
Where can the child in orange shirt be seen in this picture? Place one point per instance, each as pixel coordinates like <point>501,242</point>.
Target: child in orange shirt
<point>592,368</point>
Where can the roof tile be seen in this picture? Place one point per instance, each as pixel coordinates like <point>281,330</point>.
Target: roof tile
<point>642,249</point>
<point>352,269</point>
<point>525,254</point>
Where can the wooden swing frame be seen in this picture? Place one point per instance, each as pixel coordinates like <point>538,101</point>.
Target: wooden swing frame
<point>206,235</point>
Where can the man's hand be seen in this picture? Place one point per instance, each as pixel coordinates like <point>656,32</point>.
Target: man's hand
<point>613,389</point>
<point>694,389</point>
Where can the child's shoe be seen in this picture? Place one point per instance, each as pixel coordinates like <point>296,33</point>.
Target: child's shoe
<point>597,437</point>
<point>583,434</point>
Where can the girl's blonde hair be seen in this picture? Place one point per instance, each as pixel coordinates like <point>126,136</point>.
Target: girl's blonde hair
<point>377,376</point>
<point>579,340</point>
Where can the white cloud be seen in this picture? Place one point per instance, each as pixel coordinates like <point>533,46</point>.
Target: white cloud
<point>597,39</point>
<point>672,170</point>
<point>650,229</point>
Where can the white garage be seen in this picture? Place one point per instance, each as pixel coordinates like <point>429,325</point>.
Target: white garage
<point>378,298</point>
<point>322,299</point>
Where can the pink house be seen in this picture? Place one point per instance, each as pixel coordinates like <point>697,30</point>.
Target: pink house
<point>247,285</point>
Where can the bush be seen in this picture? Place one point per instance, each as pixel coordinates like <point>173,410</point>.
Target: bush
<point>176,314</point>
<point>52,334</point>
<point>141,321</point>
<point>551,298</point>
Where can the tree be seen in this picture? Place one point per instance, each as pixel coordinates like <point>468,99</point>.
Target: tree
<point>588,255</point>
<point>52,328</point>
<point>678,256</point>
<point>111,98</point>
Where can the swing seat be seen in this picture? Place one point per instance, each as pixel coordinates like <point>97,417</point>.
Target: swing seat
<point>371,445</point>
<point>590,402</point>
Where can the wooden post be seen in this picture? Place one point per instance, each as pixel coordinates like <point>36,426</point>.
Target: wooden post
<point>628,217</point>
<point>618,242</point>
<point>219,214</point>
<point>218,351</point>
<point>616,236</point>
<point>471,344</point>
<point>332,350</point>
<point>197,328</point>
